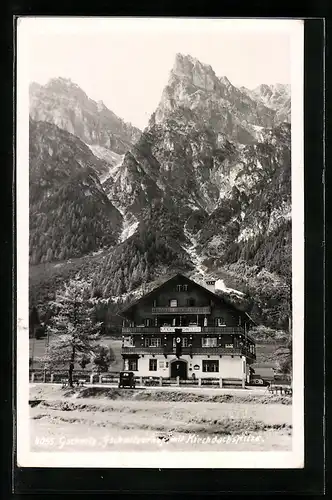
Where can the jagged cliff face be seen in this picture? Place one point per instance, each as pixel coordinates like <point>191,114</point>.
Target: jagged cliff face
<point>221,106</point>
<point>69,212</point>
<point>276,97</point>
<point>209,150</point>
<point>66,105</point>
<point>207,183</point>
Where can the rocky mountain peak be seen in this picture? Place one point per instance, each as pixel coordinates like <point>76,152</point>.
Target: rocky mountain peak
<point>224,80</point>
<point>65,86</point>
<point>63,103</point>
<point>198,74</point>
<point>263,88</point>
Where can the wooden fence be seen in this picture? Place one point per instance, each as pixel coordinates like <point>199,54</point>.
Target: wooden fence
<point>83,378</point>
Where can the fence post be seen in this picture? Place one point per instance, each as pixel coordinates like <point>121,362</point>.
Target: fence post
<point>52,378</point>
<point>160,381</point>
<point>91,378</point>
<point>220,382</point>
<point>177,380</point>
<point>141,381</point>
<point>100,379</point>
<point>199,381</point>
<point>32,376</point>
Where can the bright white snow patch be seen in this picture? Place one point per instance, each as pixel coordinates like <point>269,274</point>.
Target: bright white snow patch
<point>192,250</point>
<point>220,285</point>
<point>129,226</point>
<point>105,154</point>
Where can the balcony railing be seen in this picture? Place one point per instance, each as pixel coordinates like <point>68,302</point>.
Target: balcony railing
<point>218,330</point>
<point>181,310</point>
<point>140,329</point>
<point>235,351</point>
<point>144,350</point>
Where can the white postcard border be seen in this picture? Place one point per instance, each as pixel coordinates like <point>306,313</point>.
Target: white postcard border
<point>280,460</point>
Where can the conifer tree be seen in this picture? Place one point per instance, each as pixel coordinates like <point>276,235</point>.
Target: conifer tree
<point>73,332</point>
<point>103,358</point>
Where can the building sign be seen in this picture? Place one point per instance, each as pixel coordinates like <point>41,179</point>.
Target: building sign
<point>185,329</point>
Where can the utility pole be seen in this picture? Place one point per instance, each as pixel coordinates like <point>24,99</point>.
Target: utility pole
<point>33,345</point>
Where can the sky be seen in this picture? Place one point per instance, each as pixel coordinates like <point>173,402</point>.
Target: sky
<point>125,62</point>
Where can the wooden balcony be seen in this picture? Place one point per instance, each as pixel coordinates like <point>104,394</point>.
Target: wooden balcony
<point>224,351</point>
<point>143,350</point>
<point>210,330</point>
<point>141,329</point>
<point>181,310</point>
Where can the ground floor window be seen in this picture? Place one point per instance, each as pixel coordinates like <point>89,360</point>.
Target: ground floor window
<point>133,365</point>
<point>152,365</point>
<point>210,366</point>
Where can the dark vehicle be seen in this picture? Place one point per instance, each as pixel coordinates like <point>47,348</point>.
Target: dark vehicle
<point>259,381</point>
<point>127,379</point>
<point>261,375</point>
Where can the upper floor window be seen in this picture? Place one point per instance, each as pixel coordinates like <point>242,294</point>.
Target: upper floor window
<point>128,341</point>
<point>147,322</point>
<point>209,342</point>
<point>191,302</point>
<point>181,288</point>
<point>220,322</point>
<point>173,303</point>
<point>184,342</point>
<point>152,342</point>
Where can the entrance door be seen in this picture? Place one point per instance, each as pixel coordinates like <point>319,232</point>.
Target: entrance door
<point>179,369</point>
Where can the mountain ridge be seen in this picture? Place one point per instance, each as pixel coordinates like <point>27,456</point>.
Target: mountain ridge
<point>206,185</point>
<point>63,103</point>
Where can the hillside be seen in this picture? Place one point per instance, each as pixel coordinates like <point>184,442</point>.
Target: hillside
<point>205,189</point>
<point>70,215</point>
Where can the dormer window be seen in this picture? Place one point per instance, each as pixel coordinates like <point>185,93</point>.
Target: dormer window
<point>173,303</point>
<point>182,288</point>
<point>220,322</point>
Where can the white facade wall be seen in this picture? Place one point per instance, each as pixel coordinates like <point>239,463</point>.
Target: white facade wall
<point>233,368</point>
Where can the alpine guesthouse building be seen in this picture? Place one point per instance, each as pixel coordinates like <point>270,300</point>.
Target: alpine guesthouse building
<point>183,329</point>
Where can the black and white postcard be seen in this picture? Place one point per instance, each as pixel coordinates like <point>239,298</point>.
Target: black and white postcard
<point>160,243</point>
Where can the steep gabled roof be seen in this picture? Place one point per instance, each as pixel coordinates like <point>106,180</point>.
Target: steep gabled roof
<point>220,298</point>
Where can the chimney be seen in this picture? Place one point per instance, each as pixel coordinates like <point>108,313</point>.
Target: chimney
<point>211,285</point>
